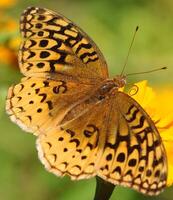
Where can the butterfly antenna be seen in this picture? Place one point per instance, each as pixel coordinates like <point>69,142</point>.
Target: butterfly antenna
<point>146,72</point>
<point>129,50</point>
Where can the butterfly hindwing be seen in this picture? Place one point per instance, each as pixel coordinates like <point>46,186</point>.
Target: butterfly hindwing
<point>37,104</point>
<point>74,148</point>
<point>53,44</point>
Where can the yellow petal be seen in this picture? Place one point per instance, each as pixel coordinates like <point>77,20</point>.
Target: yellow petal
<point>145,94</point>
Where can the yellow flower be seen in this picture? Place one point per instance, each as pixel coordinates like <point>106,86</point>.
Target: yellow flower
<point>8,56</point>
<point>14,43</point>
<point>9,42</point>
<point>7,4</point>
<point>159,106</point>
<point>7,24</point>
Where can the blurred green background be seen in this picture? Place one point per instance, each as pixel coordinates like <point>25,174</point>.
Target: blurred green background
<point>111,24</point>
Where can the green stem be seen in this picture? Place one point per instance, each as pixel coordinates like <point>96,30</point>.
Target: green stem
<point>103,189</point>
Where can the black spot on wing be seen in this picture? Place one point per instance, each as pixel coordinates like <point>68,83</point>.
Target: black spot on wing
<point>50,105</point>
<point>43,95</point>
<point>76,141</point>
<point>133,116</point>
<point>141,123</point>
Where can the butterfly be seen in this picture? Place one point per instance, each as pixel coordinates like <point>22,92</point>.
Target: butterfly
<point>85,126</point>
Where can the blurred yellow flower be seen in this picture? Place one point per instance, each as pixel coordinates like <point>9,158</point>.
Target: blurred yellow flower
<point>159,105</point>
<point>7,23</point>
<point>8,56</point>
<point>9,41</point>
<point>7,3</point>
<point>14,43</point>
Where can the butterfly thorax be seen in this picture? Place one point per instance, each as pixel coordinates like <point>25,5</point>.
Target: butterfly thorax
<point>106,87</point>
<point>115,83</point>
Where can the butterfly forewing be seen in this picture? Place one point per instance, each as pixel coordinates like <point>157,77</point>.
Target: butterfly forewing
<point>136,156</point>
<point>56,51</point>
<point>53,44</point>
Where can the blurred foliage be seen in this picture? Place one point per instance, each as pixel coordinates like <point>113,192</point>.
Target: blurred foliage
<point>111,24</point>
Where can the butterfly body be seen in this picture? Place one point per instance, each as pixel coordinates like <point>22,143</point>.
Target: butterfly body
<point>116,83</point>
<point>84,125</point>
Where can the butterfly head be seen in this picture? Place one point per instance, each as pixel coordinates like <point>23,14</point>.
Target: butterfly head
<point>120,81</point>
